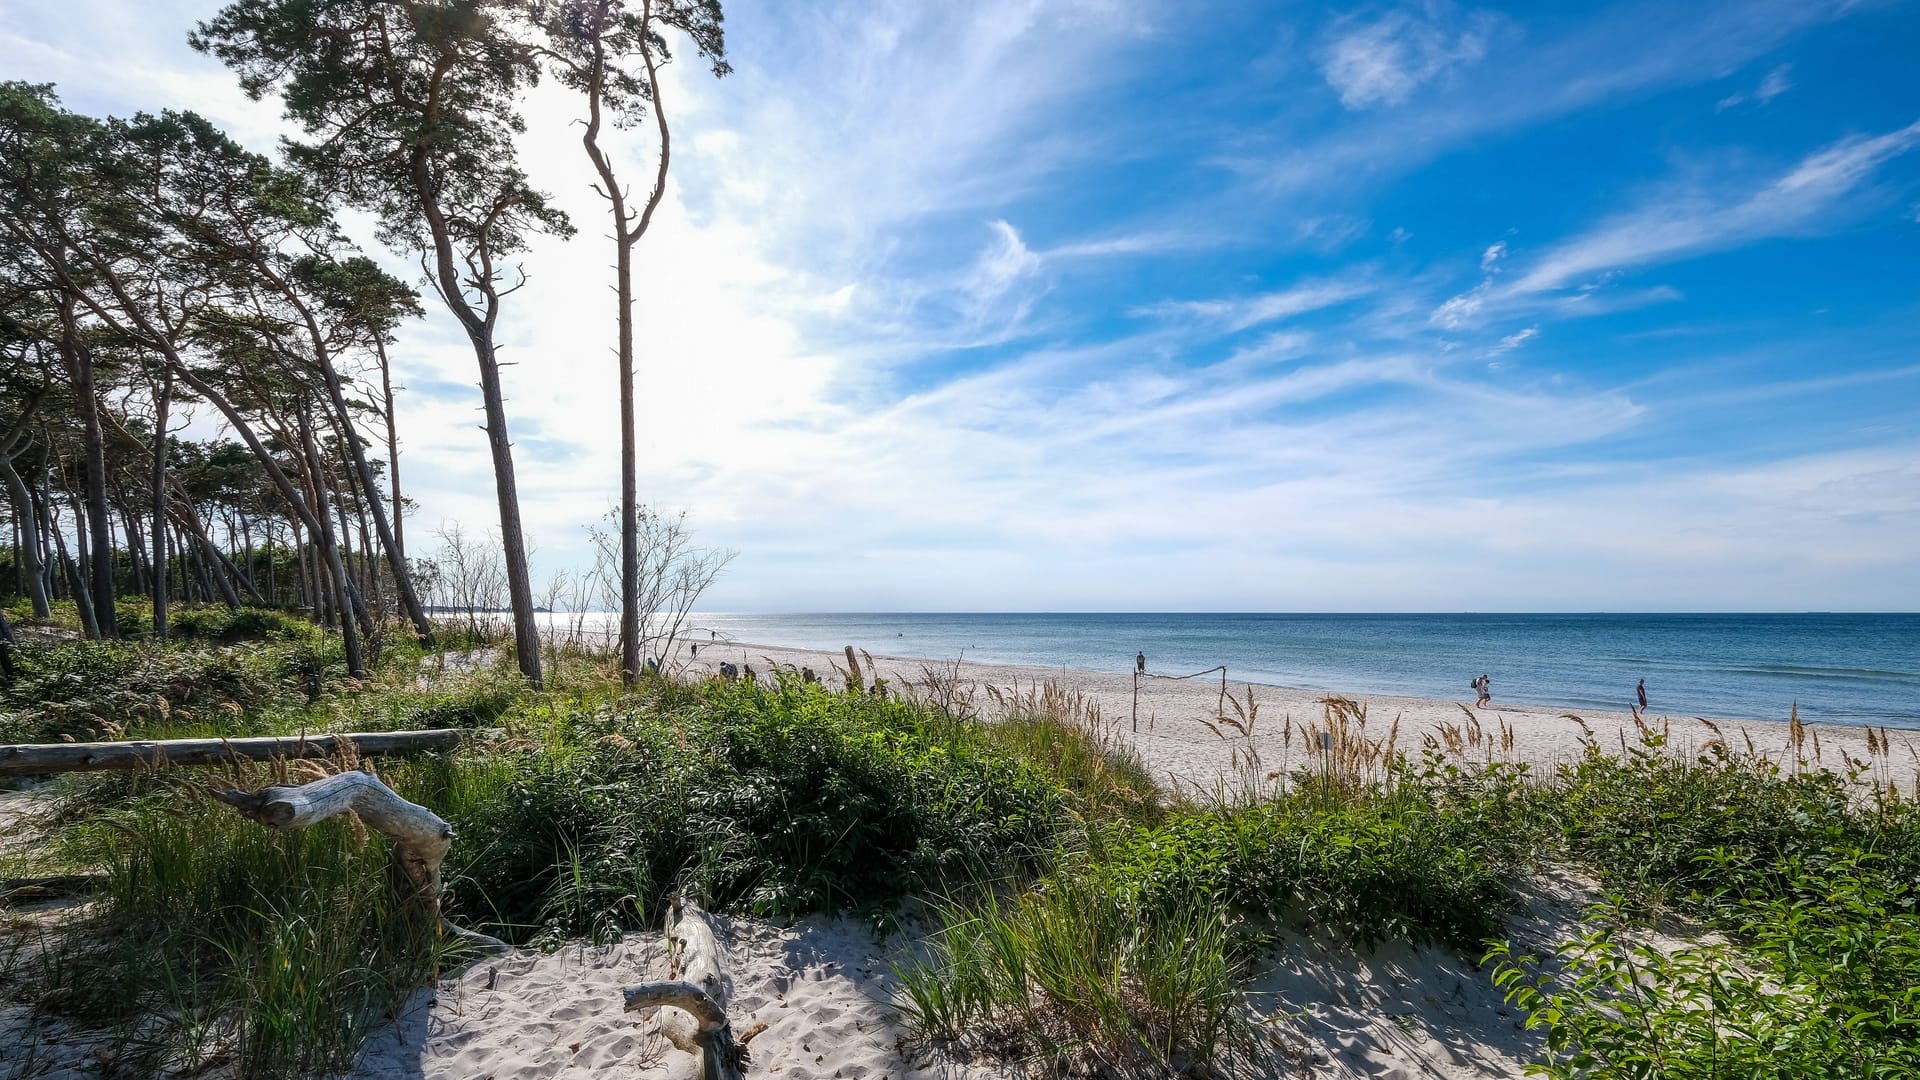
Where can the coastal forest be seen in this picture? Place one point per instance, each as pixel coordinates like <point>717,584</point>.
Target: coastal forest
<point>217,617</point>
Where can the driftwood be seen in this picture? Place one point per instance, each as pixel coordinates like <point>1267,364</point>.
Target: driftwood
<point>695,1019</point>
<point>421,838</point>
<point>36,759</point>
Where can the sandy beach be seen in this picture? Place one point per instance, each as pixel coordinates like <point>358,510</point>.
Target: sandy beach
<point>1182,737</point>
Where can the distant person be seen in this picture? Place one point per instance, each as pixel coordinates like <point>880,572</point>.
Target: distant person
<point>1140,661</point>
<point>1641,692</point>
<point>693,650</point>
<point>1485,686</point>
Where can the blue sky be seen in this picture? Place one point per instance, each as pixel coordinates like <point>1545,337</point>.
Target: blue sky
<point>1103,306</point>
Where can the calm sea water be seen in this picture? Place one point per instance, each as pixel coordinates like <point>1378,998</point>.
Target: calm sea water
<point>1851,669</point>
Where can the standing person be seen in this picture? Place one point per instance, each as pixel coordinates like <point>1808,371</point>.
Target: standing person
<point>1485,686</point>
<point>1641,692</point>
<point>1140,661</point>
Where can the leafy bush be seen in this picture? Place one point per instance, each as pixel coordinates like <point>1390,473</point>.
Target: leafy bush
<point>1395,866</point>
<point>783,799</point>
<point>1824,982</point>
<point>87,690</point>
<point>236,624</point>
<point>1815,890</point>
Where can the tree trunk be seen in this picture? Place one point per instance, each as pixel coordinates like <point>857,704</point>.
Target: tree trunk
<point>399,548</point>
<point>81,601</point>
<point>695,997</point>
<point>336,571</point>
<point>79,363</point>
<point>479,328</point>
<point>37,759</point>
<point>396,558</point>
<point>25,519</point>
<point>162,404</point>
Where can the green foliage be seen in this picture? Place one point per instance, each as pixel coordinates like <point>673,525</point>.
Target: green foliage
<point>1643,821</point>
<point>89,690</point>
<point>1400,863</point>
<point>783,799</point>
<point>237,624</point>
<point>1822,983</point>
<point>1819,972</point>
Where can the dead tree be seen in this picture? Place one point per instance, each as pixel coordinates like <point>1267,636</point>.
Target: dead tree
<point>695,997</point>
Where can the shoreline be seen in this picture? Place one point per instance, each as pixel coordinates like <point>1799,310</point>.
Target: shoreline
<point>1183,741</point>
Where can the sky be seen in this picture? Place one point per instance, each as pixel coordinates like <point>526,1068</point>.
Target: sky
<point>1098,306</point>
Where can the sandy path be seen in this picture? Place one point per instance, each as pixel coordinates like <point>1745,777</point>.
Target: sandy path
<point>1175,742</point>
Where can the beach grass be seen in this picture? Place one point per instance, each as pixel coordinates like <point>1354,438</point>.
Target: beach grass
<point>1073,915</point>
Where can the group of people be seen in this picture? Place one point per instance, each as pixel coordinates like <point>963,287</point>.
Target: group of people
<point>1484,687</point>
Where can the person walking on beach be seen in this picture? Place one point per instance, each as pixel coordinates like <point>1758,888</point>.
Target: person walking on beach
<point>1140,661</point>
<point>1485,686</point>
<point>1641,692</point>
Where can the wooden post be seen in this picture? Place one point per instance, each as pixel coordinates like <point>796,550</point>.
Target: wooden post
<point>696,997</point>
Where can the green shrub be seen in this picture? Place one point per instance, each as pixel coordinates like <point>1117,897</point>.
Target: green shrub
<point>88,690</point>
<point>782,799</point>
<point>1389,867</point>
<point>236,624</point>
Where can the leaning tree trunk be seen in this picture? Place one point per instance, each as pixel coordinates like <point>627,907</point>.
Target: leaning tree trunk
<point>389,541</point>
<point>26,519</point>
<point>479,328</point>
<point>393,451</point>
<point>162,402</point>
<point>79,363</point>
<point>336,571</point>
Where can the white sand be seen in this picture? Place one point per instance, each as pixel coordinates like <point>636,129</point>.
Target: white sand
<point>823,992</point>
<point>812,999</point>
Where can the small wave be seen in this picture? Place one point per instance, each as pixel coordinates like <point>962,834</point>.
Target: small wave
<point>1801,669</point>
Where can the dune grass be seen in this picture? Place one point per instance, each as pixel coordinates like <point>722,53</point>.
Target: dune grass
<point>1074,916</point>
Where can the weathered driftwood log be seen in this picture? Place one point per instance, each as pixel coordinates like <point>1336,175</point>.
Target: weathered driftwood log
<point>35,759</point>
<point>421,838</point>
<point>695,1017</point>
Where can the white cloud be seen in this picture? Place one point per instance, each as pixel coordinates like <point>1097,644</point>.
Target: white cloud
<point>1775,83</point>
<point>1492,255</point>
<point>1240,313</point>
<point>1692,221</point>
<point>1514,340</point>
<point>1384,62</point>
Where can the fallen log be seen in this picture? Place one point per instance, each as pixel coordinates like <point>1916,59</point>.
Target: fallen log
<point>36,759</point>
<point>421,838</point>
<point>695,999</point>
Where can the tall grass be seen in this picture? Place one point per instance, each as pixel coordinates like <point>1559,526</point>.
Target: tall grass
<point>216,942</point>
<point>1081,979</point>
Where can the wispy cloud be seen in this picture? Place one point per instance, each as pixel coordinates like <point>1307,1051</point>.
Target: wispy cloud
<point>1514,340</point>
<point>1239,313</point>
<point>1382,63</point>
<point>1774,83</point>
<point>1692,221</point>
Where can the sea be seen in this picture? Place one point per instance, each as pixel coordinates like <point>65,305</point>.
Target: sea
<point>1835,668</point>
